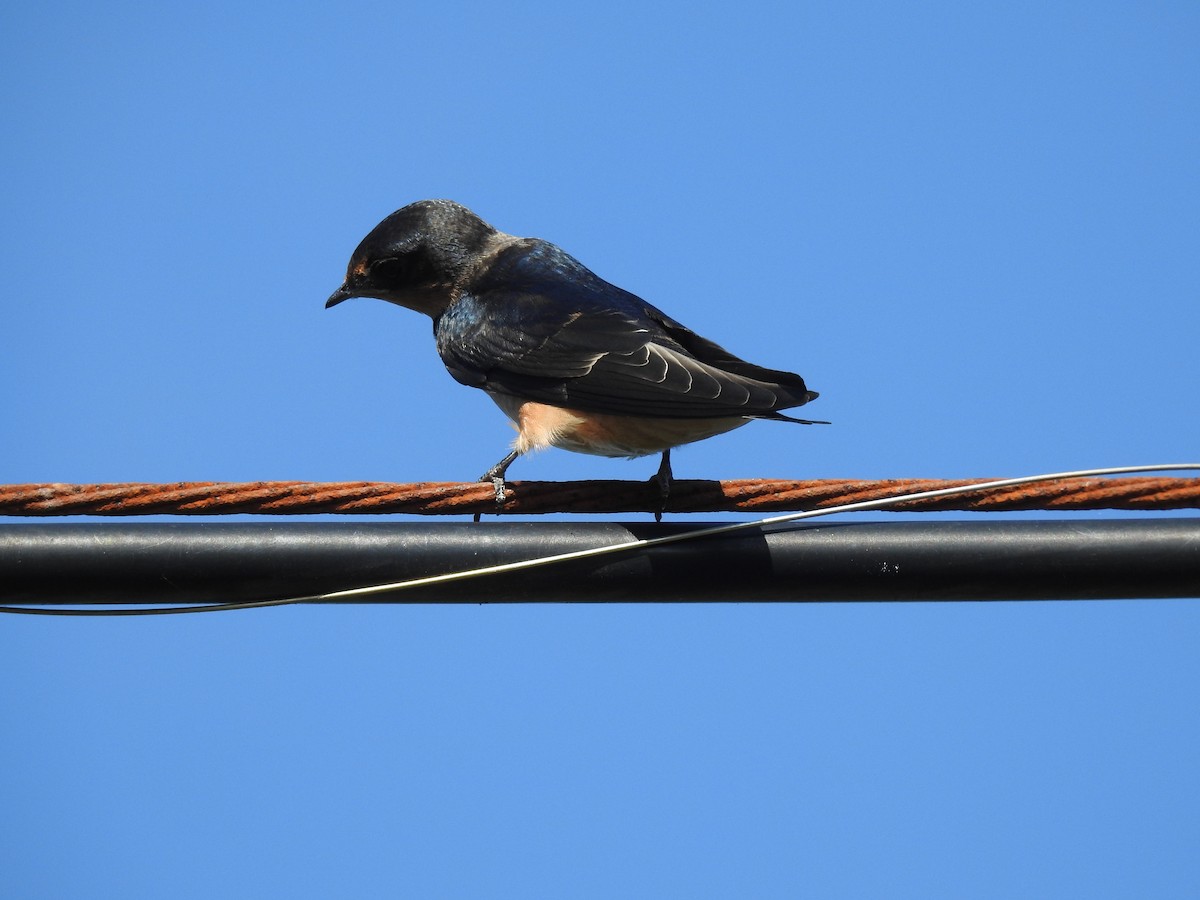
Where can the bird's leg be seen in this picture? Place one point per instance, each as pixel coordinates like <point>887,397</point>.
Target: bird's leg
<point>663,478</point>
<point>496,476</point>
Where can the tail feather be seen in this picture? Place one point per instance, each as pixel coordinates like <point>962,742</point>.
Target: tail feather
<point>778,416</point>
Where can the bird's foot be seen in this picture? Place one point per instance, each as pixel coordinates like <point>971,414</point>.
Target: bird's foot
<point>496,476</point>
<point>498,486</point>
<point>663,479</point>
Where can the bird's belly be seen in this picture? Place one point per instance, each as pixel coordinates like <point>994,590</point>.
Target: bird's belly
<point>600,434</point>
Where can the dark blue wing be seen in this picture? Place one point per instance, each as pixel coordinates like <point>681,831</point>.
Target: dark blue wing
<point>540,326</point>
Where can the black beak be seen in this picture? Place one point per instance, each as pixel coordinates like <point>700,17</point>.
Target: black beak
<point>342,293</point>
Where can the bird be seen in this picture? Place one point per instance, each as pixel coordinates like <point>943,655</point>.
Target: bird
<point>573,361</point>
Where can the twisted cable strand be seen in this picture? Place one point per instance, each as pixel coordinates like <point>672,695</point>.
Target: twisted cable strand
<point>526,497</point>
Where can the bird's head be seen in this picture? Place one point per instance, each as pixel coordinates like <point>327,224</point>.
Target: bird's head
<point>415,256</point>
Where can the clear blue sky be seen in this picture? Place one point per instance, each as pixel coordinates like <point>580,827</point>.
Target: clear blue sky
<point>973,228</point>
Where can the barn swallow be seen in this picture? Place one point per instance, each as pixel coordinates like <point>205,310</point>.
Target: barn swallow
<point>573,361</point>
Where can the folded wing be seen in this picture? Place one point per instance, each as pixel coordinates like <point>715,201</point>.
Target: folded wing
<point>540,326</point>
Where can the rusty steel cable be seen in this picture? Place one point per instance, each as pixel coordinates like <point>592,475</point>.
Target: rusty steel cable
<point>645,543</point>
<point>207,498</point>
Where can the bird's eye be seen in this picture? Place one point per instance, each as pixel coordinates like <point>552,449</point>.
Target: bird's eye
<point>387,271</point>
<point>410,270</point>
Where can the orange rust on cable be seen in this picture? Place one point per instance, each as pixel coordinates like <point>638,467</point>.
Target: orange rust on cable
<point>208,498</point>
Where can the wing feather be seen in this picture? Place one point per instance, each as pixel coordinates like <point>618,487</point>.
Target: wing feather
<point>540,326</point>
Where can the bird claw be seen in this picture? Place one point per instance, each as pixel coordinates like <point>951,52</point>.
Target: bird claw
<point>498,485</point>
<point>663,479</point>
<point>496,476</point>
<point>497,482</point>
<point>664,491</point>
